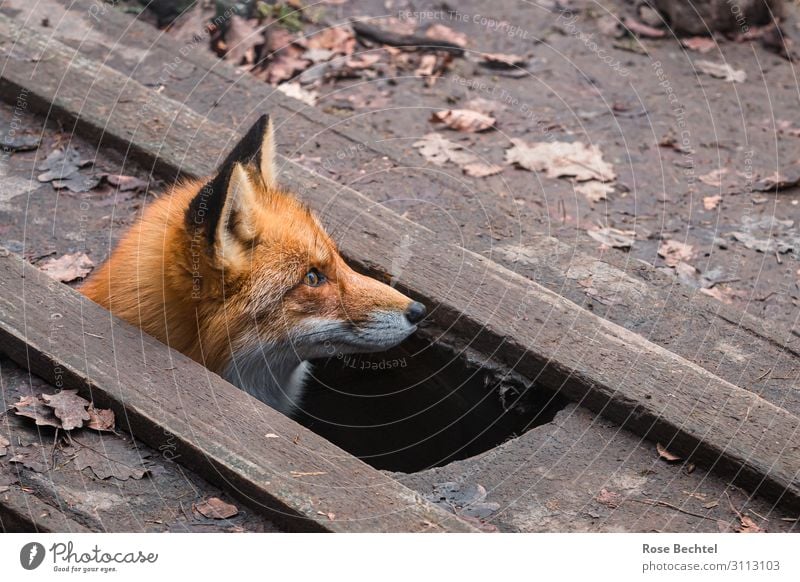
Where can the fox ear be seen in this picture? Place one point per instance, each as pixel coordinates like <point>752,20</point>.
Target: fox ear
<point>256,148</point>
<point>222,212</point>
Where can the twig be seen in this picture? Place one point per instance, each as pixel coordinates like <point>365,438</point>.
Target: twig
<point>658,502</point>
<point>404,41</point>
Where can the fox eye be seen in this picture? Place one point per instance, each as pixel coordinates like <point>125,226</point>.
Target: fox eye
<point>314,278</point>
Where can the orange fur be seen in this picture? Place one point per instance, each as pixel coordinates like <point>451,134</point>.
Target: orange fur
<point>211,301</point>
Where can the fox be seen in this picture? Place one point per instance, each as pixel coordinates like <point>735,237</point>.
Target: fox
<point>238,274</point>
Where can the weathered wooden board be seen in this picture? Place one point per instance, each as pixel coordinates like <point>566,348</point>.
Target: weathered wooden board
<point>162,397</point>
<point>24,513</point>
<point>758,356</point>
<point>540,334</point>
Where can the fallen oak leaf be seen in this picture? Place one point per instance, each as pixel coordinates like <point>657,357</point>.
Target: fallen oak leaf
<point>241,38</point>
<point>711,202</point>
<point>641,29</point>
<point>442,32</point>
<point>612,237</point>
<point>701,44</point>
<point>722,71</point>
<point>723,295</point>
<point>33,457</point>
<point>100,419</point>
<point>16,142</point>
<point>714,178</point>
<point>609,498</point>
<point>666,455</point>
<point>125,183</point>
<point>68,267</point>
<point>674,252</point>
<point>464,120</point>
<point>337,39</point>
<point>295,91</point>
<point>60,164</point>
<point>215,508</point>
<point>485,106</point>
<point>560,158</point>
<point>747,525</point>
<point>68,407</point>
<point>438,150</point>
<point>107,457</point>
<point>594,191</point>
<point>427,65</point>
<point>36,408</point>
<point>481,170</point>
<point>77,183</point>
<point>503,61</point>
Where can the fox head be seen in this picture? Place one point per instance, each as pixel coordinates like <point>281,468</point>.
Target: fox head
<point>237,273</point>
<point>287,293</point>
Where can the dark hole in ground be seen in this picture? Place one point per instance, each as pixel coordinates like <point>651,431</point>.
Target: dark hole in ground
<point>420,405</point>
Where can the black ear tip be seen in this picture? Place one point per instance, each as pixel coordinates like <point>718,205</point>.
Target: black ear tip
<point>263,122</point>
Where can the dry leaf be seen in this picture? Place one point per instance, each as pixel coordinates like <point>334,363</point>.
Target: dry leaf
<point>642,29</point>
<point>609,498</point>
<point>60,165</point>
<point>68,267</point>
<point>295,91</point>
<point>427,64</point>
<point>612,237</point>
<point>724,295</point>
<point>442,32</point>
<point>481,170</point>
<point>367,60</point>
<point>241,38</point>
<point>126,183</point>
<point>34,457</point>
<point>439,150</point>
<point>747,525</point>
<point>337,39</point>
<point>215,508</point>
<point>711,202</point>
<point>284,67</point>
<point>560,158</point>
<point>714,178</point>
<point>4,444</point>
<point>69,407</point>
<point>722,71</point>
<point>485,106</point>
<point>100,419</point>
<point>36,408</point>
<point>666,455</point>
<point>594,191</point>
<point>701,44</point>
<point>504,61</point>
<point>674,252</point>
<point>77,182</point>
<point>464,120</point>
<point>110,456</point>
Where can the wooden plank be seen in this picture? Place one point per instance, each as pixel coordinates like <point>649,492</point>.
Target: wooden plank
<point>542,335</point>
<point>24,512</point>
<point>163,397</point>
<point>731,344</point>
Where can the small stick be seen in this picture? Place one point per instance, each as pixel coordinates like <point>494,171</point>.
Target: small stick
<point>658,502</point>
<point>405,41</point>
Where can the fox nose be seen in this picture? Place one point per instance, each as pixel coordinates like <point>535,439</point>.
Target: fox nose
<point>415,312</point>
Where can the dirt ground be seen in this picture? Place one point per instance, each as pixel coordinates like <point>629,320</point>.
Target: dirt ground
<point>693,154</point>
